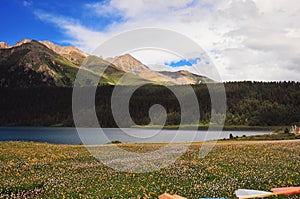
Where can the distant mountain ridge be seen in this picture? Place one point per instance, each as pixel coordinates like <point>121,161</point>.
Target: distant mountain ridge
<point>71,53</point>
<point>31,63</point>
<point>130,64</point>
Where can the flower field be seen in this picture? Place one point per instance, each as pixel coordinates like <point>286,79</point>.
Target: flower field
<point>36,170</point>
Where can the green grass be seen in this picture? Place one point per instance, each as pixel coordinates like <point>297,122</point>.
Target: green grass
<point>35,170</point>
<point>273,136</point>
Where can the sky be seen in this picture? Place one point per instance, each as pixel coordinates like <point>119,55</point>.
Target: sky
<point>254,40</point>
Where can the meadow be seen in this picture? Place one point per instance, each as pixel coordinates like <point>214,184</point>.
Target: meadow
<point>39,170</point>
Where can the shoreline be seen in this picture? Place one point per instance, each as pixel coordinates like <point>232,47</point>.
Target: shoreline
<point>212,127</point>
<point>239,140</point>
<point>173,127</point>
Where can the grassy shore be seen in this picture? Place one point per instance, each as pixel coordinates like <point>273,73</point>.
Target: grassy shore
<point>273,136</point>
<point>212,126</point>
<point>35,170</point>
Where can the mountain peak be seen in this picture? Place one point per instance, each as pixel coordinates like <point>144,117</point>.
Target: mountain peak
<point>43,63</point>
<point>24,41</point>
<point>62,49</point>
<point>127,55</point>
<point>4,45</point>
<point>128,58</point>
<point>69,52</point>
<point>128,63</point>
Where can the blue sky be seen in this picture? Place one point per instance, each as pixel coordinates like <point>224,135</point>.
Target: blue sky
<point>184,62</point>
<point>18,22</point>
<point>19,19</point>
<point>26,20</point>
<point>240,37</point>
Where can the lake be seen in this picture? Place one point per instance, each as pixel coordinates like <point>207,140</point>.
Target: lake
<point>65,135</point>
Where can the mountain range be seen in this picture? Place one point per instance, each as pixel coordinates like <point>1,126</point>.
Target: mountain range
<point>31,63</point>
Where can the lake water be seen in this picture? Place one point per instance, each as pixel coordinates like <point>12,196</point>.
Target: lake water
<point>63,135</point>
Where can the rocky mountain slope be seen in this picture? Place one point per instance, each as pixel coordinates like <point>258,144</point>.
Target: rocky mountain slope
<point>30,63</point>
<point>4,45</point>
<point>71,53</point>
<point>130,64</point>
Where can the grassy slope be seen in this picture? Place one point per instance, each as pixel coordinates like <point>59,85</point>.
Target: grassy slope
<point>58,171</point>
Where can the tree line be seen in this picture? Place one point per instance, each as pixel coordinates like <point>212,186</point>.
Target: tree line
<point>248,103</point>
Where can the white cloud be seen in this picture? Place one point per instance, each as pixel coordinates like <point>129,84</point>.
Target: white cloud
<point>27,3</point>
<point>102,9</point>
<point>140,8</point>
<point>246,39</point>
<point>81,37</point>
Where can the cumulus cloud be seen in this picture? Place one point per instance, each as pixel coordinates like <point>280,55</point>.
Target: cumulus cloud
<point>245,39</point>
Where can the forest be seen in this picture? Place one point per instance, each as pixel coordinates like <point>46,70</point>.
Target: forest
<point>248,104</point>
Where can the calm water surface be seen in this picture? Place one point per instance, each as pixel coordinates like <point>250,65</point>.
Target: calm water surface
<point>64,135</point>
